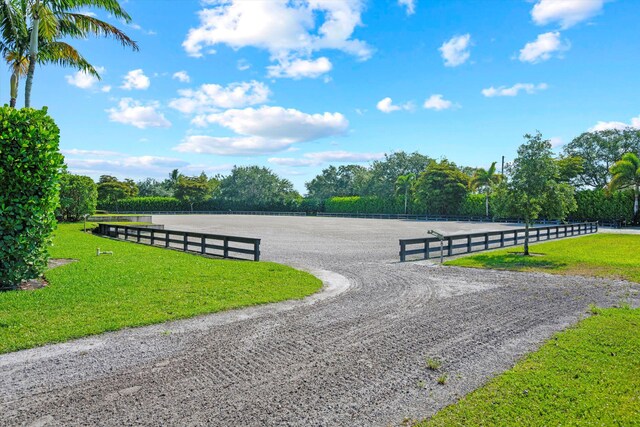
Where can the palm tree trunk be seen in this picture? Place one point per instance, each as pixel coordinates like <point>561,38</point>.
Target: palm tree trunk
<point>526,239</point>
<point>486,204</point>
<point>33,57</point>
<point>635,202</point>
<point>15,80</point>
<point>406,193</point>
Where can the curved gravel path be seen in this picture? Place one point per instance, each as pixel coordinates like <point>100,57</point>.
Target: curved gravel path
<point>355,355</point>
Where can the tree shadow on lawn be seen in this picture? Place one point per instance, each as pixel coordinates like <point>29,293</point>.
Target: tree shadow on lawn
<point>516,261</point>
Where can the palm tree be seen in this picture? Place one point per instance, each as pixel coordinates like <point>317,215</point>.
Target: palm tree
<point>52,20</point>
<point>626,174</point>
<point>403,185</point>
<point>485,180</point>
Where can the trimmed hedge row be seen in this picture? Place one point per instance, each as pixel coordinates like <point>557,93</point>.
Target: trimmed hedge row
<point>592,205</point>
<point>30,165</point>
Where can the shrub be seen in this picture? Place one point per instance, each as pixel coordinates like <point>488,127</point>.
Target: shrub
<point>597,205</point>
<point>78,196</point>
<point>29,172</point>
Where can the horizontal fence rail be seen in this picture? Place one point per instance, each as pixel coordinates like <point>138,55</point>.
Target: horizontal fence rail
<point>213,213</point>
<point>432,217</point>
<point>458,244</point>
<point>204,244</point>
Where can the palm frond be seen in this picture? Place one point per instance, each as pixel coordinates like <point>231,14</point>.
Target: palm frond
<point>77,25</point>
<point>65,55</point>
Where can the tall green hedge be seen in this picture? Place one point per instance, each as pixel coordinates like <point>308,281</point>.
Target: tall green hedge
<point>370,204</point>
<point>30,165</point>
<point>171,204</point>
<point>597,205</point>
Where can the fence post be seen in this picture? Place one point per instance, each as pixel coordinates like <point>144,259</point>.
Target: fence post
<point>186,242</point>
<point>468,243</point>
<point>138,235</point>
<point>537,235</point>
<point>450,248</point>
<point>203,248</point>
<point>427,253</point>
<point>226,247</point>
<point>402,249</point>
<point>486,241</point>
<point>153,237</point>
<point>502,239</point>
<point>167,236</point>
<point>515,238</point>
<point>256,250</point>
<point>548,233</point>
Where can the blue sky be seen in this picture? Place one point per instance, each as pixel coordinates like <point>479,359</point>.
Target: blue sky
<point>298,85</point>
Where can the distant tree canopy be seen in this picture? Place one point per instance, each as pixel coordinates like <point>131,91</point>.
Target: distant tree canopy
<point>383,174</point>
<point>441,188</point>
<point>599,151</point>
<point>254,187</point>
<point>341,181</point>
<point>78,196</point>
<point>193,190</point>
<point>110,189</point>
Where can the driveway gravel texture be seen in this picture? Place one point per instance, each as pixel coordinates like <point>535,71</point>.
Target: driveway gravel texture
<point>352,355</point>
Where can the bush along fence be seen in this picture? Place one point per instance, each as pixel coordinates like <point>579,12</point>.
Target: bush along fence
<point>430,247</point>
<point>200,243</point>
<point>267,213</point>
<point>427,217</point>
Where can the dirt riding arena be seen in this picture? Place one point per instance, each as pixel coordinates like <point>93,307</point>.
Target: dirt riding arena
<point>352,355</point>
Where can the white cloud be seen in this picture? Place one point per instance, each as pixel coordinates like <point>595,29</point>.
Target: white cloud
<point>85,80</point>
<point>134,113</point>
<point>299,68</point>
<point>79,152</point>
<point>543,48</point>
<point>135,79</point>
<point>514,90</point>
<point>600,126</point>
<point>556,141</point>
<point>212,97</point>
<point>437,102</point>
<point>456,50</point>
<point>263,130</point>
<point>386,105</point>
<point>318,158</point>
<point>106,88</point>
<point>243,65</point>
<point>286,29</point>
<point>280,123</point>
<point>410,5</point>
<point>565,12</point>
<point>182,76</point>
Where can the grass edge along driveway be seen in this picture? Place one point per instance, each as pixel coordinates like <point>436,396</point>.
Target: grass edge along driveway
<point>139,285</point>
<point>614,256</point>
<point>588,374</point>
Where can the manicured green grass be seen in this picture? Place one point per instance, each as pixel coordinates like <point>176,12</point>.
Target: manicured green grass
<point>587,375</point>
<point>600,255</point>
<point>138,285</point>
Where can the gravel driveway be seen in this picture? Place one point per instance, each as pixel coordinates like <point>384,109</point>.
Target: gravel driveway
<point>354,355</point>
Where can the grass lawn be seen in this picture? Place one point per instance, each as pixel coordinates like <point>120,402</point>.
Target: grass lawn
<point>586,375</point>
<point>138,285</point>
<point>600,255</point>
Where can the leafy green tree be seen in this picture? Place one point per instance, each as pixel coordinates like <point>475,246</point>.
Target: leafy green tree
<point>626,174</point>
<point>110,189</point>
<point>192,190</point>
<point>383,174</point>
<point>78,196</point>
<point>341,181</point>
<point>255,187</point>
<point>404,185</point>
<point>485,180</point>
<point>569,168</point>
<point>49,21</point>
<point>150,187</point>
<point>533,186</point>
<point>442,188</point>
<point>599,151</point>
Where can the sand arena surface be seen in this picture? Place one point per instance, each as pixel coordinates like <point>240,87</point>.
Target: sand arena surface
<point>351,355</point>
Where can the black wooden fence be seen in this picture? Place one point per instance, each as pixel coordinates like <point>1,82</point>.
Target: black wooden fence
<point>205,244</point>
<point>458,244</point>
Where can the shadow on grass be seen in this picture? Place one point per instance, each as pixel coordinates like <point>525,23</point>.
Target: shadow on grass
<point>516,261</point>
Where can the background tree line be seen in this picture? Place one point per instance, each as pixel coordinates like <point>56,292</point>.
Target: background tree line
<point>597,169</point>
